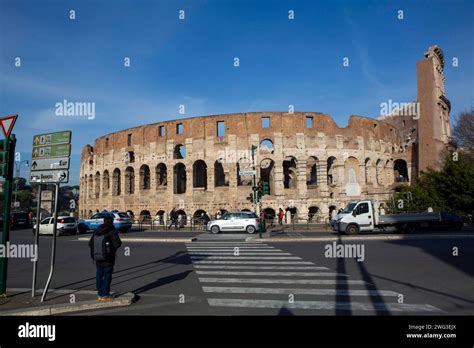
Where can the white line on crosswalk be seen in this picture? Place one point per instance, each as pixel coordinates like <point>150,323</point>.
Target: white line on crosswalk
<point>230,253</point>
<point>287,291</point>
<point>283,274</point>
<point>233,249</point>
<point>245,257</point>
<point>253,262</point>
<point>282,281</point>
<point>262,267</point>
<point>323,305</point>
<point>222,244</point>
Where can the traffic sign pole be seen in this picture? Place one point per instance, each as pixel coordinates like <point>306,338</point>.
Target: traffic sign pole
<point>7,192</point>
<point>38,224</point>
<point>53,249</point>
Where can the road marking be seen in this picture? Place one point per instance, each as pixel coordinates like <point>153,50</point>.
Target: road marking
<point>283,274</point>
<point>230,253</point>
<point>263,247</point>
<point>246,257</point>
<point>254,262</point>
<point>322,305</point>
<point>233,249</point>
<point>263,267</point>
<point>281,281</point>
<point>287,291</point>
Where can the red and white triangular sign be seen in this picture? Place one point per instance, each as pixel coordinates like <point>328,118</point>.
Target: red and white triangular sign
<point>7,124</point>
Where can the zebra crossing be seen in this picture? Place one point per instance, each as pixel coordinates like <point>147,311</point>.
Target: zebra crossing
<point>237,275</point>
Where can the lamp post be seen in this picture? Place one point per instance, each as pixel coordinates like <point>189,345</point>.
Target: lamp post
<point>17,176</point>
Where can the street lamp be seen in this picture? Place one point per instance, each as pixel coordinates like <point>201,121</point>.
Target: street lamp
<point>17,175</point>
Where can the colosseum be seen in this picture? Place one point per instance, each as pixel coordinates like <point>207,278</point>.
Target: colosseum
<point>311,165</point>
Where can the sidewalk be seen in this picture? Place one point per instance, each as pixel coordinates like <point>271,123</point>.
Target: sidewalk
<point>19,302</point>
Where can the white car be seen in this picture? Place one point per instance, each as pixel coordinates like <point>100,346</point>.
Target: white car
<point>235,222</point>
<point>66,225</point>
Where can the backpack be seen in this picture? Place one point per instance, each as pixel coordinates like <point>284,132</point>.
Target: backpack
<point>101,248</point>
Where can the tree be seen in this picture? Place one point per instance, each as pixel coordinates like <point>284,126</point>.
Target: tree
<point>451,189</point>
<point>463,130</point>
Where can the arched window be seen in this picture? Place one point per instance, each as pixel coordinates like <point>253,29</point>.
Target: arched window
<point>200,174</point>
<point>105,183</point>
<point>97,185</point>
<point>179,174</point>
<point>400,170</point>
<point>116,182</point>
<point>161,175</point>
<point>179,152</point>
<point>219,174</point>
<point>312,171</point>
<point>330,170</point>
<point>144,177</point>
<point>266,146</point>
<point>289,172</point>
<point>129,181</point>
<point>244,164</point>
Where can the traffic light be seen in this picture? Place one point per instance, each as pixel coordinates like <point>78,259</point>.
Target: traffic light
<point>265,188</point>
<point>250,198</point>
<point>4,157</point>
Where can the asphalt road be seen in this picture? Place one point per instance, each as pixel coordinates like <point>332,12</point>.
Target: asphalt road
<point>206,278</point>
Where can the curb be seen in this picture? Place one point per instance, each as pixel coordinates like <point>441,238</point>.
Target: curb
<point>343,238</point>
<point>150,240</point>
<point>124,300</point>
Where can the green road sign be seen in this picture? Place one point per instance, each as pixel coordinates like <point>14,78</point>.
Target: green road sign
<point>61,150</point>
<point>52,138</point>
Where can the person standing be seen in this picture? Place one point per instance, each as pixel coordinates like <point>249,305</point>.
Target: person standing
<point>173,219</point>
<point>104,244</point>
<point>281,214</point>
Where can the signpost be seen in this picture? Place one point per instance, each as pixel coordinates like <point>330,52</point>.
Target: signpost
<point>49,165</point>
<point>7,157</point>
<point>247,172</point>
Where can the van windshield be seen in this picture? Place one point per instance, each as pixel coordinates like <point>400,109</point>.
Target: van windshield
<point>349,207</point>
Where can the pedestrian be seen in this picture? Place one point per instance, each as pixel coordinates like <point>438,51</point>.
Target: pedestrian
<point>281,214</point>
<point>104,244</point>
<point>218,215</point>
<point>173,219</point>
<point>205,219</point>
<point>180,220</point>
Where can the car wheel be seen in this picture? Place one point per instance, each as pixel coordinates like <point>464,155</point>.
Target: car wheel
<point>215,229</point>
<point>250,229</point>
<point>352,229</point>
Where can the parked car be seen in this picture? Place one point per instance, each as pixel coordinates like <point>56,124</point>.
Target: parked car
<point>235,222</point>
<point>20,220</point>
<point>66,225</point>
<point>122,221</point>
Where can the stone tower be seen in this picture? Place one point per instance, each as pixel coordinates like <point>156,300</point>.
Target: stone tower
<point>434,131</point>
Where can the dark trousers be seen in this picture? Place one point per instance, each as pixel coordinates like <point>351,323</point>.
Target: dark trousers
<point>103,278</point>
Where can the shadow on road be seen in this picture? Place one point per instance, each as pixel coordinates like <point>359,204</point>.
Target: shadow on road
<point>162,281</point>
<point>341,284</point>
<point>123,275</point>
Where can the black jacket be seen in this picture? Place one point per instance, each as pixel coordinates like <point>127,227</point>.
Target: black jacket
<point>113,237</point>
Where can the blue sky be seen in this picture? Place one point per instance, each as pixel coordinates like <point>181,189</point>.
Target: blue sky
<point>190,61</point>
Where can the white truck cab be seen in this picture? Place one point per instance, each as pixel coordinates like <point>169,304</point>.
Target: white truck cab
<point>357,216</point>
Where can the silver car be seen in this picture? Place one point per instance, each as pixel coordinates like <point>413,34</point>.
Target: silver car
<point>235,222</point>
